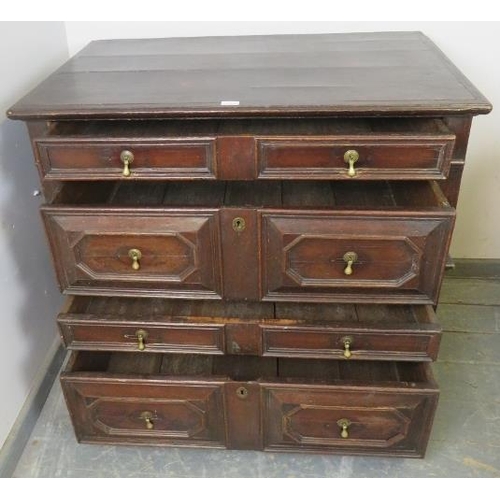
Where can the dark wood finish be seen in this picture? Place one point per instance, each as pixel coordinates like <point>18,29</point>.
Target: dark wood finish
<point>409,333</point>
<point>240,254</point>
<point>305,418</point>
<point>460,125</point>
<point>399,260</point>
<point>107,408</point>
<point>295,75</point>
<point>244,338</point>
<point>390,405</point>
<point>239,193</point>
<point>243,415</point>
<point>380,157</point>
<point>451,186</point>
<point>180,251</point>
<point>165,159</point>
<point>395,148</point>
<point>236,158</point>
<point>400,231</point>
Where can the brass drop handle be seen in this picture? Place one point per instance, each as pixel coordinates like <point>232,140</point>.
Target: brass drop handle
<point>347,343</point>
<point>349,258</point>
<point>127,157</point>
<point>344,424</point>
<point>351,157</point>
<point>135,255</point>
<point>141,339</point>
<point>147,416</point>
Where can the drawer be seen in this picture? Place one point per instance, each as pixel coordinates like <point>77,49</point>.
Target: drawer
<point>135,251</point>
<point>343,331</point>
<point>165,159</point>
<point>391,149</point>
<point>289,241</point>
<point>391,253</point>
<point>363,408</point>
<point>380,408</point>
<point>355,157</point>
<point>135,400</point>
<point>151,150</point>
<point>363,257</point>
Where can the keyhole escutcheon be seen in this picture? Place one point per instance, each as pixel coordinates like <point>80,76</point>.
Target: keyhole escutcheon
<point>242,392</point>
<point>239,224</point>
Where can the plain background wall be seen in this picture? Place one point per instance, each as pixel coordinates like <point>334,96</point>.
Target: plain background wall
<point>31,51</point>
<point>29,296</point>
<point>472,46</point>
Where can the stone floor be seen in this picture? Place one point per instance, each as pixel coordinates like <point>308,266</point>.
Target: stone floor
<point>465,440</point>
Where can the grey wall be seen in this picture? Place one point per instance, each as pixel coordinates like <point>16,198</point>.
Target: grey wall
<point>29,298</point>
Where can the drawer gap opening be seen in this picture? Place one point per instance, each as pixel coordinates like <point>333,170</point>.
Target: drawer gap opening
<point>155,311</point>
<point>253,368</point>
<point>341,195</point>
<point>172,128</point>
<point>384,313</point>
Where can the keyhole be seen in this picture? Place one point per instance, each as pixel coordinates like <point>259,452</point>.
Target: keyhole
<point>238,224</point>
<point>242,392</point>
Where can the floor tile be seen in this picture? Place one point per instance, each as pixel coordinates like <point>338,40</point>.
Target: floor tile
<point>470,347</point>
<point>470,291</point>
<point>469,318</point>
<point>475,268</point>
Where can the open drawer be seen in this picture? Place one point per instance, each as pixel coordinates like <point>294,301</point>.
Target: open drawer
<point>380,408</point>
<point>397,148</point>
<point>340,331</point>
<point>265,240</point>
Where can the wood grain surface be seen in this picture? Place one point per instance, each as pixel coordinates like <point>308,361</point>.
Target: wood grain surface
<point>325,74</point>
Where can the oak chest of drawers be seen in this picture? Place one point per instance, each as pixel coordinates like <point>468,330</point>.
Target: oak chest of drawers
<point>252,233</point>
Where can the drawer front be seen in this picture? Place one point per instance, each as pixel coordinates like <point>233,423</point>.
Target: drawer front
<point>141,336</point>
<point>94,159</point>
<point>141,412</point>
<point>135,252</point>
<point>351,421</point>
<point>350,343</point>
<point>345,257</point>
<point>405,333</point>
<point>251,339</point>
<point>251,403</point>
<point>378,157</point>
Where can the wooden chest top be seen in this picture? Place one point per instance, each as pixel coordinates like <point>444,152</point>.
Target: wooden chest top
<point>278,75</point>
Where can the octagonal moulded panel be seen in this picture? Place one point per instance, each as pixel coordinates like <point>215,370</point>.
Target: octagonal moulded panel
<point>106,256</point>
<point>310,424</point>
<point>381,419</point>
<point>179,419</point>
<point>178,252</point>
<point>113,407</point>
<point>397,259</point>
<point>319,261</point>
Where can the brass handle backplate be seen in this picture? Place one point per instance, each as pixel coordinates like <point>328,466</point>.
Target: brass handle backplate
<point>347,343</point>
<point>351,157</point>
<point>344,425</point>
<point>349,258</point>
<point>127,157</point>
<point>135,255</point>
<point>147,416</point>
